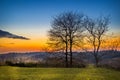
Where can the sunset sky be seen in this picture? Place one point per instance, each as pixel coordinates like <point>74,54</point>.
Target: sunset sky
<point>32,19</point>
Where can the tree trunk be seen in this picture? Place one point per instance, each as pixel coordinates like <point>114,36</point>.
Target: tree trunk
<point>71,56</point>
<point>97,52</point>
<point>66,60</point>
<point>66,53</point>
<point>96,61</point>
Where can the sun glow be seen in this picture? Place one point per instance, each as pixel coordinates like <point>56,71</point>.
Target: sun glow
<point>22,45</point>
<point>39,44</point>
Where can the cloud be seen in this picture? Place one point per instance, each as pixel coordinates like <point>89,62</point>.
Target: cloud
<point>5,34</point>
<point>11,43</point>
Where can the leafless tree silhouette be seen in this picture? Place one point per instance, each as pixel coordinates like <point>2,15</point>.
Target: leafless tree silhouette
<point>65,31</point>
<point>96,30</point>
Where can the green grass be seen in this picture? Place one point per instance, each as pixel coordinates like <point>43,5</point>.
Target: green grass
<point>89,73</point>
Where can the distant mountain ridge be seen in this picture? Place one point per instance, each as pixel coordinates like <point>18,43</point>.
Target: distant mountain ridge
<point>42,56</point>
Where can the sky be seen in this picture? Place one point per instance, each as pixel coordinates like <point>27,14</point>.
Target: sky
<point>32,19</point>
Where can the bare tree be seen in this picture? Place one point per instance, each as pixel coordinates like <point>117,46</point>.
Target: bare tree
<point>115,44</point>
<point>58,38</point>
<point>66,29</point>
<point>96,30</point>
<point>75,30</point>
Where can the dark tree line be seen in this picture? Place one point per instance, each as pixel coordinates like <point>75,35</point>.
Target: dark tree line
<point>68,30</point>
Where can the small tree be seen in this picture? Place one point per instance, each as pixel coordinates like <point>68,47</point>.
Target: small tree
<point>115,43</point>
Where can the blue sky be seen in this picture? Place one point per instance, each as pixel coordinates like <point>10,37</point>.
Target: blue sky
<point>32,19</point>
<point>25,16</point>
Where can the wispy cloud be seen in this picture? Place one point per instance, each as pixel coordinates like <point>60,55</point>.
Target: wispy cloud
<point>11,43</point>
<point>5,34</point>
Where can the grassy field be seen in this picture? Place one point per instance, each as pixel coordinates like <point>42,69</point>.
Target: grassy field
<point>89,73</point>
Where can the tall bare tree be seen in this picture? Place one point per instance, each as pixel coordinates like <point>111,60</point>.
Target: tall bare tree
<point>75,30</point>
<point>58,37</point>
<point>66,28</point>
<point>96,30</point>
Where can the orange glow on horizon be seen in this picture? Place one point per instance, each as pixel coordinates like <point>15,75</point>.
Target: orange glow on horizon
<point>39,44</point>
<point>16,45</point>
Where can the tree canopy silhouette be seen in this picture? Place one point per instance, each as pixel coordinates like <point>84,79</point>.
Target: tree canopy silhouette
<point>65,31</point>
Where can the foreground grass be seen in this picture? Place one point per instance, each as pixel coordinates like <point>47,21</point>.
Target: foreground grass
<point>89,73</point>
